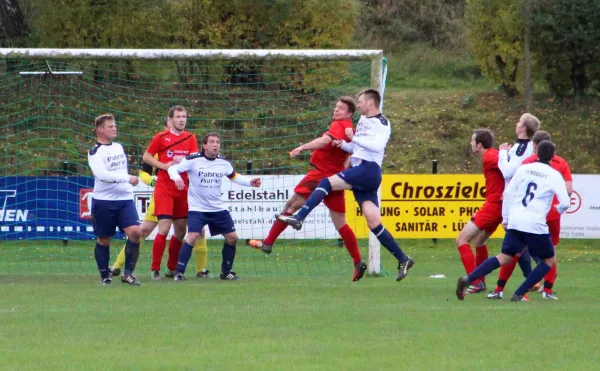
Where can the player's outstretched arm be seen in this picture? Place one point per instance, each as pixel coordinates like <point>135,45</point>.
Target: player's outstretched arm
<point>244,180</point>
<point>146,178</point>
<point>102,174</point>
<point>310,146</point>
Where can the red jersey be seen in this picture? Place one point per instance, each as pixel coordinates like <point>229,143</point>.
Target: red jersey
<point>330,159</point>
<point>494,180</point>
<point>168,145</point>
<point>562,166</point>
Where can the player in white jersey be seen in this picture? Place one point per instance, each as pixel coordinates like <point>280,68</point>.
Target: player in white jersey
<point>112,202</point>
<point>206,171</point>
<point>367,148</point>
<point>510,157</point>
<point>529,197</point>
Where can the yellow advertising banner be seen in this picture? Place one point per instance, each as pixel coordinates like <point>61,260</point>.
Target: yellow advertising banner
<point>424,205</point>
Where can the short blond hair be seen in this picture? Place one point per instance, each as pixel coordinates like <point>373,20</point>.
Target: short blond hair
<point>531,123</point>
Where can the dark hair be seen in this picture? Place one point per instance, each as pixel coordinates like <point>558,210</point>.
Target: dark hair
<point>372,94</point>
<point>175,108</point>
<point>539,136</point>
<point>545,151</point>
<point>100,120</point>
<point>485,137</point>
<point>205,137</point>
<point>349,102</point>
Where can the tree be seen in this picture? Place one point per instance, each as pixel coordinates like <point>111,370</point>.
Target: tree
<point>12,24</point>
<point>495,33</point>
<point>566,39</point>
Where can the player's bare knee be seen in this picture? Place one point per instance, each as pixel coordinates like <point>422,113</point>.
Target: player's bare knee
<point>504,259</point>
<point>550,261</point>
<point>192,237</point>
<point>231,238</point>
<point>104,241</point>
<point>338,219</point>
<point>134,234</point>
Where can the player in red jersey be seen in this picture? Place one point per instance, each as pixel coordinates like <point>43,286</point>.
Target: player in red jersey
<point>326,160</point>
<point>485,222</point>
<point>171,206</point>
<point>553,220</point>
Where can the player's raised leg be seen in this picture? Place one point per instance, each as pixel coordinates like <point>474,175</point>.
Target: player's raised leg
<point>292,205</point>
<point>512,244</point>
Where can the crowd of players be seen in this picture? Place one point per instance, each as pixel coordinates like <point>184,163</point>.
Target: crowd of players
<point>527,188</point>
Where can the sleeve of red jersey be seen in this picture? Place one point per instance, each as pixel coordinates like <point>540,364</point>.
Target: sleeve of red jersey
<point>337,130</point>
<point>490,162</point>
<point>153,147</point>
<point>566,172</point>
<point>529,160</point>
<point>194,146</point>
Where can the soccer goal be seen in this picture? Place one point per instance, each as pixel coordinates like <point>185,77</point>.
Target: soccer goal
<point>264,103</point>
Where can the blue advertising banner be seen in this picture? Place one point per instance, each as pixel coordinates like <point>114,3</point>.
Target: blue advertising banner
<point>45,208</point>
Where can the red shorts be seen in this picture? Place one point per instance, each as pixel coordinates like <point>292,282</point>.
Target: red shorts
<point>171,203</point>
<point>334,200</point>
<point>554,228</point>
<point>489,217</point>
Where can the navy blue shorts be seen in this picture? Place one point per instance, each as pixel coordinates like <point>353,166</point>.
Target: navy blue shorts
<point>219,222</point>
<point>108,215</point>
<point>365,180</point>
<point>539,245</point>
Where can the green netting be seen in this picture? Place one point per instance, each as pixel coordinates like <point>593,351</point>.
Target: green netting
<point>262,109</point>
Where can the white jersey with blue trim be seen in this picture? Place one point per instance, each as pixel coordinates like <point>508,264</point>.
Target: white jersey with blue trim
<point>372,135</point>
<point>509,161</point>
<point>529,197</point>
<point>205,176</point>
<point>109,166</point>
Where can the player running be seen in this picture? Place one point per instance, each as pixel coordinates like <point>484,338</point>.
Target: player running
<point>367,150</point>
<point>170,201</point>
<point>326,160</point>
<point>553,220</point>
<point>148,176</point>
<point>529,197</point>
<point>206,171</point>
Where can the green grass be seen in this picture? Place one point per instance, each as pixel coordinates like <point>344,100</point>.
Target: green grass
<point>291,321</point>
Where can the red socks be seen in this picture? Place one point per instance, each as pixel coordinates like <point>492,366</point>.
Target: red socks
<point>467,257</point>
<point>174,247</point>
<point>277,228</point>
<point>350,242</point>
<point>158,249</point>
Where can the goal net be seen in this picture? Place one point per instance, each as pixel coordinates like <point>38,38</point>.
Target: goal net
<point>264,103</point>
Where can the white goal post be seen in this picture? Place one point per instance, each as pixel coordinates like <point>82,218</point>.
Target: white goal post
<point>378,73</point>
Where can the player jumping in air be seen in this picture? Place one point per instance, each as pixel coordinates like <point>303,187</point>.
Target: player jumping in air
<point>367,149</point>
<point>206,171</point>
<point>170,202</point>
<point>326,160</point>
<point>529,197</point>
<point>147,175</point>
<point>112,203</point>
<point>553,220</point>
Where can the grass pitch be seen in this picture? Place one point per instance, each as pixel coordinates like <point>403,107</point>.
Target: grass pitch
<point>295,320</point>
